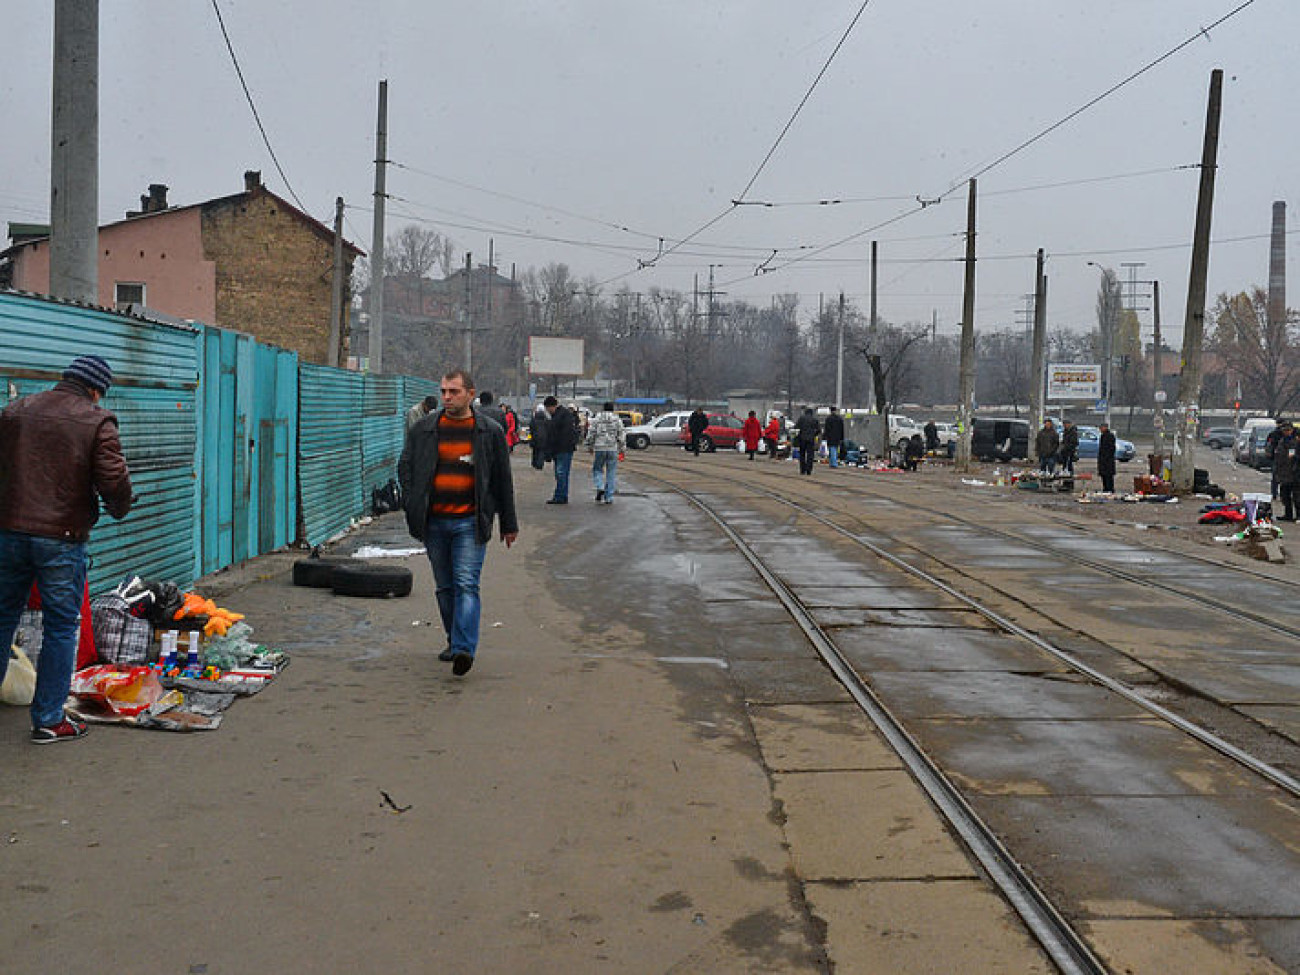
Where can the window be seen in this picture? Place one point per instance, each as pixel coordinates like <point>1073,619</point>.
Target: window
<point>128,293</point>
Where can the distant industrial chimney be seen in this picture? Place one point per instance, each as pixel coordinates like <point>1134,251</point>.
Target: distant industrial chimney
<point>1277,267</point>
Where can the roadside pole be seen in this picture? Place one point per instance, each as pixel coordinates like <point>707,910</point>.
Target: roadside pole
<point>333,353</point>
<point>1158,394</point>
<point>376,349</point>
<point>74,153</point>
<point>967,367</point>
<point>1189,381</point>
<point>1040,341</point>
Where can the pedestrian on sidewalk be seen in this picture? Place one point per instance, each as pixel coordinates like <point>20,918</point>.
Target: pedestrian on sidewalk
<point>488,407</point>
<point>772,435</point>
<point>806,429</point>
<point>833,435</point>
<point>1286,468</point>
<point>59,455</point>
<point>455,477</point>
<point>420,410</point>
<point>537,436</point>
<point>563,434</point>
<point>913,453</point>
<point>696,424</point>
<point>1106,459</point>
<point>1046,445</point>
<point>752,433</point>
<point>607,439</point>
<point>1069,450</point>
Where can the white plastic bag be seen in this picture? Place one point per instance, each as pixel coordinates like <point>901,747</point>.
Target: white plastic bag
<point>20,680</point>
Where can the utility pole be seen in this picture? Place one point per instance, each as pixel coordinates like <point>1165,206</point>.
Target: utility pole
<point>469,313</point>
<point>839,358</point>
<point>336,289</point>
<point>491,282</point>
<point>74,153</point>
<point>872,335</point>
<point>966,370</point>
<point>377,236</point>
<point>1036,391</point>
<point>1158,394</point>
<point>1189,380</point>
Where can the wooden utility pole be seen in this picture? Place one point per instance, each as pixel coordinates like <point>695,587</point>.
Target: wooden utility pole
<point>967,366</point>
<point>1036,403</point>
<point>74,153</point>
<point>1189,380</point>
<point>376,349</point>
<point>333,352</point>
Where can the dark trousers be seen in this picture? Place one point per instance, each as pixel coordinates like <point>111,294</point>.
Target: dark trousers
<point>695,444</point>
<point>807,456</point>
<point>1290,495</point>
<point>1107,482</point>
<point>771,447</point>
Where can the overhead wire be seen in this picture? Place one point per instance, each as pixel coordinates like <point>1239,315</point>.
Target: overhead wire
<point>266,139</point>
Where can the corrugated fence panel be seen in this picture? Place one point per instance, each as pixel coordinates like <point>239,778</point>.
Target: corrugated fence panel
<point>382,432</point>
<point>156,370</point>
<point>329,450</point>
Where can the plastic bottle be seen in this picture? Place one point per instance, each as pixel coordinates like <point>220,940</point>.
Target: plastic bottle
<point>170,639</point>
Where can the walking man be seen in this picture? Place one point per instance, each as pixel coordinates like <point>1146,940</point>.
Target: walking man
<point>607,438</point>
<point>806,429</point>
<point>488,407</point>
<point>1106,459</point>
<point>1069,447</point>
<point>1046,444</point>
<point>696,423</point>
<point>455,477</point>
<point>1286,468</point>
<point>562,438</point>
<point>833,435</point>
<point>59,455</point>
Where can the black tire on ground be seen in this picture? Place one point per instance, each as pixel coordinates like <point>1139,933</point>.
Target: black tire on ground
<point>706,443</point>
<point>316,573</point>
<point>638,441</point>
<point>369,579</point>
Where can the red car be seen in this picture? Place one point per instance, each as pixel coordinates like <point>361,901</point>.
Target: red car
<point>722,431</point>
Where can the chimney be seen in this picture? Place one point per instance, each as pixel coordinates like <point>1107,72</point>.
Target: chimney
<point>1277,266</point>
<point>157,198</point>
<point>252,180</point>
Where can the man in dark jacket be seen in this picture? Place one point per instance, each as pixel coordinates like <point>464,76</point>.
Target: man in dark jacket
<point>1069,451</point>
<point>806,429</point>
<point>59,455</point>
<point>455,477</point>
<point>1286,469</point>
<point>833,435</point>
<point>931,431</point>
<point>696,423</point>
<point>563,434</point>
<point>1046,444</point>
<point>1106,459</point>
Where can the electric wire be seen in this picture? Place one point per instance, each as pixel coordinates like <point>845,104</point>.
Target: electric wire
<point>256,117</point>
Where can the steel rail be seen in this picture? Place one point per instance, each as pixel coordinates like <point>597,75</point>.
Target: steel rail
<point>1269,772</point>
<point>1061,942</point>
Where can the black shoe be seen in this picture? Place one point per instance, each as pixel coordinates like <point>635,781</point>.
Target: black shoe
<point>558,501</point>
<point>447,656</point>
<point>600,496</point>
<point>461,664</point>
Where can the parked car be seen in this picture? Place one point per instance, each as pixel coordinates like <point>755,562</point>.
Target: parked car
<point>660,430</point>
<point>901,429</point>
<point>1090,440</point>
<point>722,431</point>
<point>1216,438</point>
<point>998,438</point>
<point>1249,448</point>
<point>630,418</point>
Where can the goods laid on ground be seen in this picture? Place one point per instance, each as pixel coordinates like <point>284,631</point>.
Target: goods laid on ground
<point>164,659</point>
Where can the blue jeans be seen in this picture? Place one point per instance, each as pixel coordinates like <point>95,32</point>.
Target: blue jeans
<point>604,471</point>
<point>457,560</point>
<point>833,452</point>
<point>59,571</point>
<point>563,462</point>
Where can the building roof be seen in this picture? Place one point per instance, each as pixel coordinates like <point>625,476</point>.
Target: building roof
<point>314,225</point>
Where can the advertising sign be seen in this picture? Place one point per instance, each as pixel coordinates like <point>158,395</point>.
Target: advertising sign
<point>549,356</point>
<point>1073,380</point>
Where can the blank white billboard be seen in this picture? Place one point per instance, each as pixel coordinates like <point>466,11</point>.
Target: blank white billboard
<point>549,356</point>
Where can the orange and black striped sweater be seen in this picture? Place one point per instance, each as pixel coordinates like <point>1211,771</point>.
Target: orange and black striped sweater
<point>453,479</point>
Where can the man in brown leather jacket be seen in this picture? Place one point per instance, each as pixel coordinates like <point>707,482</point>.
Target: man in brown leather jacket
<point>59,454</point>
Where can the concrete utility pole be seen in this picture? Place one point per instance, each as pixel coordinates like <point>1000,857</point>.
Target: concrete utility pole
<point>1277,269</point>
<point>1039,343</point>
<point>469,313</point>
<point>377,236</point>
<point>1189,380</point>
<point>74,155</point>
<point>336,290</point>
<point>1158,394</point>
<point>966,369</point>
<point>839,358</point>
<point>872,335</point>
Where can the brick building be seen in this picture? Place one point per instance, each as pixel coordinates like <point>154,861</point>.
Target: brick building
<point>252,262</point>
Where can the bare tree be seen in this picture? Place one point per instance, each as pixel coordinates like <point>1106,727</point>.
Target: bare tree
<point>1264,354</point>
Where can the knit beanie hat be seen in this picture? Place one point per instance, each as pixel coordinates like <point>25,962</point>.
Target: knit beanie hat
<point>92,371</point>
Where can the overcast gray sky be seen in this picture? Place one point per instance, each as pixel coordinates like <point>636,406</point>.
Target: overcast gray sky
<point>570,119</point>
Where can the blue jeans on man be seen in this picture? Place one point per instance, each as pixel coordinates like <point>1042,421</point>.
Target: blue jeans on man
<point>563,464</point>
<point>59,570</point>
<point>833,453</point>
<point>604,472</point>
<point>456,556</point>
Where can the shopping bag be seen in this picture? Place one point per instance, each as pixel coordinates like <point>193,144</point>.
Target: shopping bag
<point>19,686</point>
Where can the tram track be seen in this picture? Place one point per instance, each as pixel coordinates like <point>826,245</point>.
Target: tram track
<point>1060,940</point>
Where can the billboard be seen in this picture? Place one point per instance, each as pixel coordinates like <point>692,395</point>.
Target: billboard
<point>549,356</point>
<point>1073,380</point>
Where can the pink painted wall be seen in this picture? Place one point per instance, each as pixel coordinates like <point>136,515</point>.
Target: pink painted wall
<point>164,251</point>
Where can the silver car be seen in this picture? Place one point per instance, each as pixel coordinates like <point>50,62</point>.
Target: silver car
<point>661,430</point>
